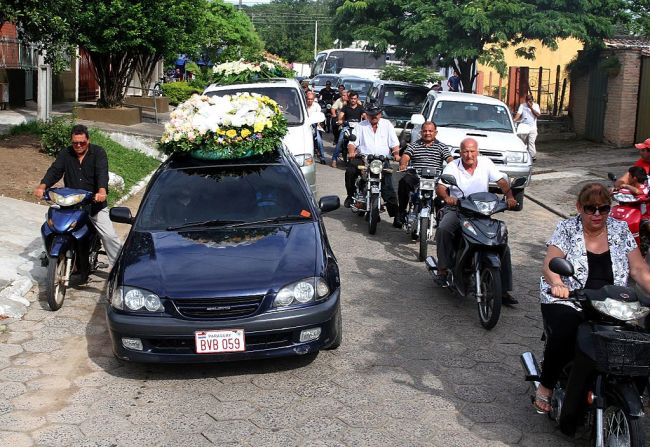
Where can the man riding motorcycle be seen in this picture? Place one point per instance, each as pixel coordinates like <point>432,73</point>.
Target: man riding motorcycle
<point>374,136</point>
<point>353,111</point>
<point>473,173</point>
<point>427,152</point>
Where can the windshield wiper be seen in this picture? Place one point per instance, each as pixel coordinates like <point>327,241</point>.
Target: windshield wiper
<point>205,223</point>
<point>495,129</point>
<point>465,126</point>
<point>277,219</point>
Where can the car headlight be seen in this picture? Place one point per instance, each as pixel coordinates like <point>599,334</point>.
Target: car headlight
<point>516,157</point>
<point>135,299</point>
<point>376,167</point>
<point>304,160</point>
<point>66,200</point>
<point>302,292</point>
<point>621,310</point>
<point>485,208</point>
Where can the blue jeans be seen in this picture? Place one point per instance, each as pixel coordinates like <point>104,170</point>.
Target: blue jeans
<point>318,141</point>
<point>337,149</point>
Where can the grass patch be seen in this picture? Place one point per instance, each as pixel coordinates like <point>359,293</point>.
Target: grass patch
<point>27,128</point>
<point>131,165</point>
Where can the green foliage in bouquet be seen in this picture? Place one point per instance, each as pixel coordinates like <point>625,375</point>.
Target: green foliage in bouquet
<point>240,72</point>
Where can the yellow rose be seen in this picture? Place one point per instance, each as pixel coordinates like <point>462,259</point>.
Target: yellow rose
<point>245,133</point>
<point>259,126</point>
<point>269,123</point>
<point>232,133</point>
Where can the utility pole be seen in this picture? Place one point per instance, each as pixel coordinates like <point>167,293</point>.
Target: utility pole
<point>315,37</point>
<point>240,5</point>
<point>44,98</point>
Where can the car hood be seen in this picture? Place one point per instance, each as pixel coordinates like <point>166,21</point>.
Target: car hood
<point>299,140</point>
<point>488,141</point>
<point>220,262</point>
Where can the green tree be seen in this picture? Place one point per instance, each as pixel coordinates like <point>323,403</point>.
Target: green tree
<point>287,27</point>
<point>457,33</point>
<point>230,34</point>
<point>640,10</point>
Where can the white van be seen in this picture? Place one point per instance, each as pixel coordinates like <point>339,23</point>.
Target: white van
<point>488,121</point>
<point>289,96</point>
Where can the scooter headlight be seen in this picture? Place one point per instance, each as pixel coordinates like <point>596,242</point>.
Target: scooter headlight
<point>485,208</point>
<point>621,310</point>
<point>70,200</point>
<point>376,167</point>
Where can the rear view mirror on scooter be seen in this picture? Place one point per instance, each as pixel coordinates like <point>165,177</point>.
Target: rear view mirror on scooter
<point>561,266</point>
<point>448,179</point>
<point>519,181</point>
<point>611,176</point>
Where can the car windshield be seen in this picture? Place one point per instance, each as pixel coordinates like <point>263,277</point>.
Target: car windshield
<point>222,196</point>
<point>469,115</point>
<point>398,96</point>
<point>286,97</point>
<point>358,85</point>
<point>318,82</point>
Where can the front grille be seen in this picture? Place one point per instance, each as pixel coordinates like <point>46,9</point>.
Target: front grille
<point>496,157</point>
<point>186,345</point>
<point>211,308</point>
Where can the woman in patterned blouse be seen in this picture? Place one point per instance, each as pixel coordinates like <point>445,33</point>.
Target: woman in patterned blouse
<point>602,251</point>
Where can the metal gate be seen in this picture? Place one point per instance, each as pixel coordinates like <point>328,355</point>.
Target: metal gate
<point>596,105</point>
<point>88,87</point>
<point>643,109</point>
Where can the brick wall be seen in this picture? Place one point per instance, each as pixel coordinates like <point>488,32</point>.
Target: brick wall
<point>578,103</point>
<point>622,96</point>
<point>8,48</point>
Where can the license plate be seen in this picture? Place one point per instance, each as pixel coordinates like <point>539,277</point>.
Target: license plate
<point>215,342</point>
<point>374,189</point>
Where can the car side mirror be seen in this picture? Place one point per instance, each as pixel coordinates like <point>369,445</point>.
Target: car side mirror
<point>121,214</point>
<point>561,266</point>
<point>417,119</point>
<point>317,117</point>
<point>448,179</point>
<point>519,181</point>
<point>329,203</point>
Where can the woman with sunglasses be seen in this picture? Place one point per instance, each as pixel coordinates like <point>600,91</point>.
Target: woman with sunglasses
<point>602,251</point>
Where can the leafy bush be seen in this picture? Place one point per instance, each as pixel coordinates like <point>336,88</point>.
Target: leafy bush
<point>55,135</point>
<point>415,75</point>
<point>178,92</point>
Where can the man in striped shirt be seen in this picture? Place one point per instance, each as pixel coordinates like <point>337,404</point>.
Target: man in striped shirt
<point>427,152</point>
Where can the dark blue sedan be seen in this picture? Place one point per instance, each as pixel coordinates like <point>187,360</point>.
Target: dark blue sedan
<point>226,260</point>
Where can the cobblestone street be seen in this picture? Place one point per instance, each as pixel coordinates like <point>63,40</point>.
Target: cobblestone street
<point>415,367</point>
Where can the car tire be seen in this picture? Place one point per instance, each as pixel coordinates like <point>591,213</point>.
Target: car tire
<point>519,197</point>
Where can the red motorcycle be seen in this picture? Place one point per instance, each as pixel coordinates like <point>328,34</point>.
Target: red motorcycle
<point>635,211</point>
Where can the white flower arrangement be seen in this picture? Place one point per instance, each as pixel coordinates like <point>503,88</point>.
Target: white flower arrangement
<point>228,126</point>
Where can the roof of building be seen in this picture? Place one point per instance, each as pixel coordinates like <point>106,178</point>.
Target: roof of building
<point>628,43</point>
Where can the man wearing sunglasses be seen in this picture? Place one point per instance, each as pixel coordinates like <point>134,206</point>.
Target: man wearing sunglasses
<point>643,161</point>
<point>85,166</point>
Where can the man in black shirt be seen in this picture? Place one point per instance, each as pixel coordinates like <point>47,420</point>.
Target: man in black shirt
<point>326,94</point>
<point>85,166</point>
<point>353,111</point>
<point>427,152</point>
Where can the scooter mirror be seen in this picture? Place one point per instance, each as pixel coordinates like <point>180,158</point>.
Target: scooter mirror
<point>352,137</point>
<point>561,266</point>
<point>611,176</point>
<point>448,179</point>
<point>519,181</point>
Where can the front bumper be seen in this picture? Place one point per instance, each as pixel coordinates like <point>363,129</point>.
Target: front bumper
<point>271,334</point>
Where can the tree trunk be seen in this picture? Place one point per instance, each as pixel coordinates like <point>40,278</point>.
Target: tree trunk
<point>465,69</point>
<point>145,65</point>
<point>113,72</point>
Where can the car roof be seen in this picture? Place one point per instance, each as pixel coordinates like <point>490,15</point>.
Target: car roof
<point>273,82</point>
<point>184,160</point>
<point>466,97</point>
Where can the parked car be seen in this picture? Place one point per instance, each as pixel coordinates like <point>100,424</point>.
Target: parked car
<point>288,94</point>
<point>359,85</point>
<point>399,100</point>
<point>225,260</point>
<point>488,121</point>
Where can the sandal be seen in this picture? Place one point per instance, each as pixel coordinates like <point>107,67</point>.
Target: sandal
<point>545,402</point>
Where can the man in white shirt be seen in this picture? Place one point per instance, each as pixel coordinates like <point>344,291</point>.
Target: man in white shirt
<point>313,107</point>
<point>473,173</point>
<point>528,113</point>
<point>374,136</point>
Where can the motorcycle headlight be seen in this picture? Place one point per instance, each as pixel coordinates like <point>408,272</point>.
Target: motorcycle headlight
<point>136,299</point>
<point>376,167</point>
<point>427,183</point>
<point>302,292</point>
<point>516,157</point>
<point>70,200</point>
<point>621,310</point>
<point>485,208</point>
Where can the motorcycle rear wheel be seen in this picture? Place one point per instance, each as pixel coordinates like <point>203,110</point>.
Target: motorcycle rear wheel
<point>489,308</point>
<point>424,240</point>
<point>56,288</point>
<point>619,428</point>
<point>373,214</point>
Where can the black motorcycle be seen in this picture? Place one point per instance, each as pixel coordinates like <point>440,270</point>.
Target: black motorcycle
<point>326,108</point>
<point>347,127</point>
<point>601,387</point>
<point>422,209</point>
<point>479,249</point>
<point>367,197</point>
